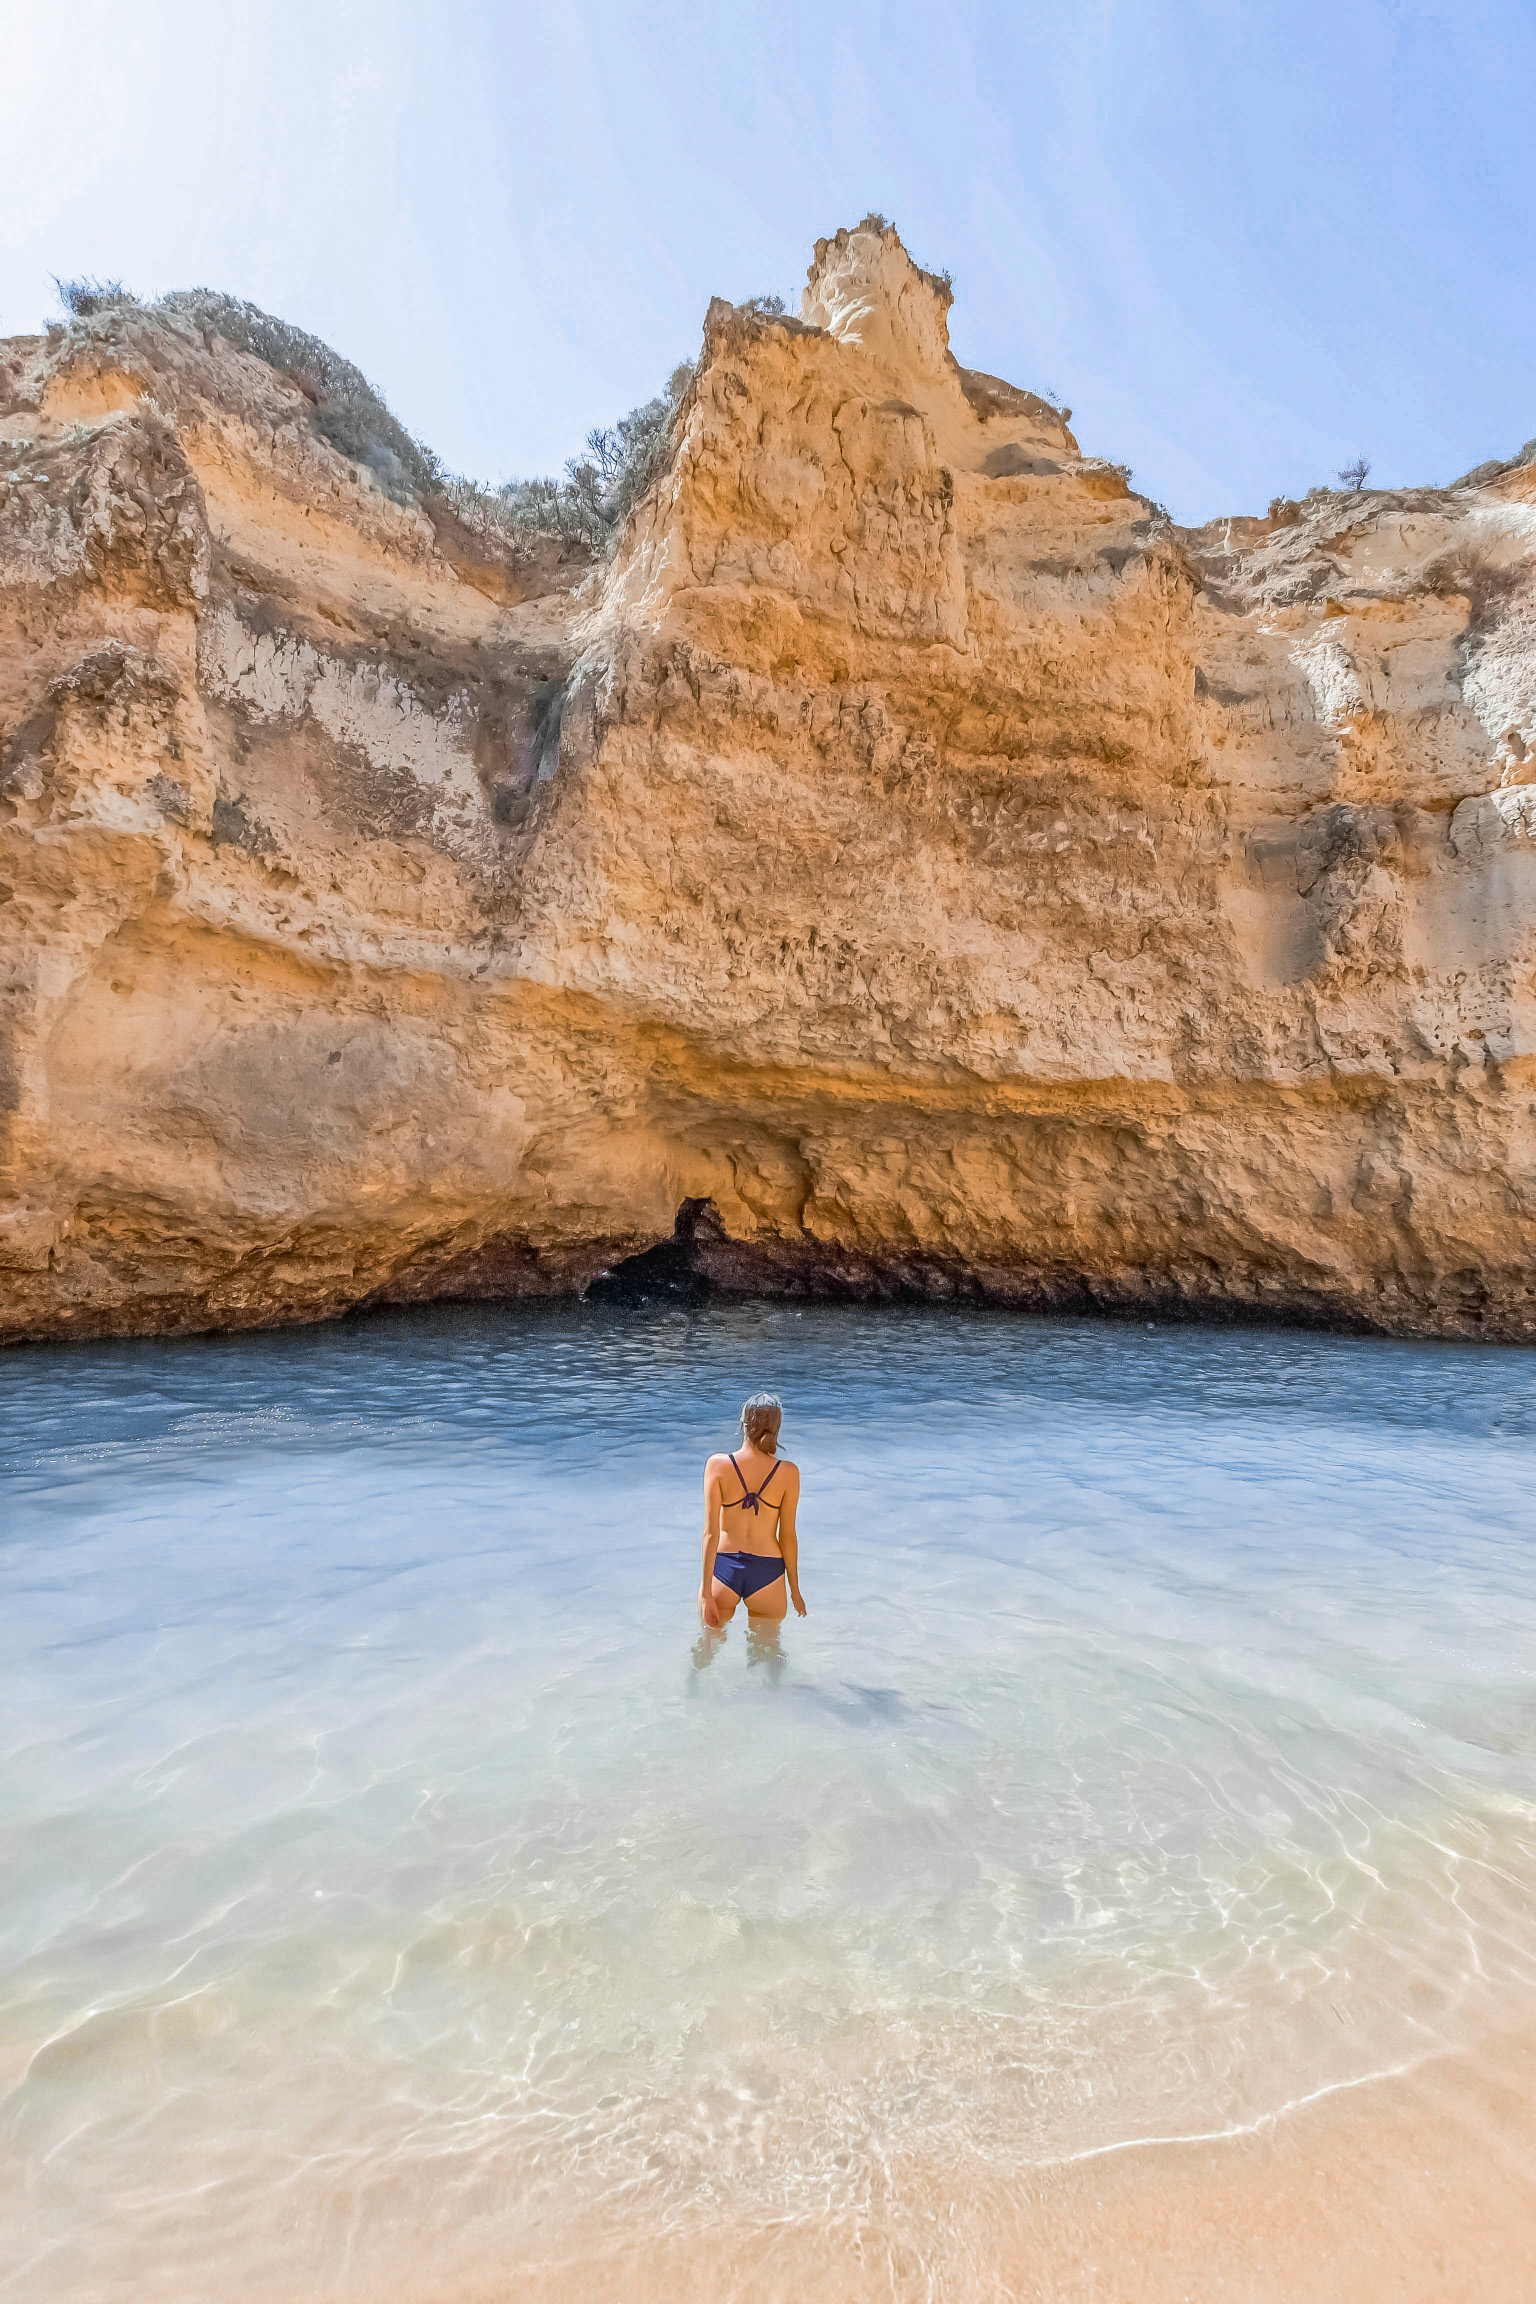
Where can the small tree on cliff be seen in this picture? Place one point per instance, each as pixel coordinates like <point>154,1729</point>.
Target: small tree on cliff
<point>83,299</point>
<point>600,488</point>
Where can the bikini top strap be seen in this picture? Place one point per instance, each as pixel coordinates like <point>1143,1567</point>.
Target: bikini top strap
<point>751,1497</point>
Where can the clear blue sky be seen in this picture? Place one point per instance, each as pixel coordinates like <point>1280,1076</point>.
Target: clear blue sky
<point>1244,241</point>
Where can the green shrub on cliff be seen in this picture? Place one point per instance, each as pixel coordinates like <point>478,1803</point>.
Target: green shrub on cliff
<point>585,506</point>
<point>82,299</point>
<point>344,407</point>
<point>598,490</point>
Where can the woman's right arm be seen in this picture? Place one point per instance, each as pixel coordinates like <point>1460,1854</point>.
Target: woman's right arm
<point>707,1608</point>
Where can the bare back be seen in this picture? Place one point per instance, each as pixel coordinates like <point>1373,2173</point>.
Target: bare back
<point>746,1497</point>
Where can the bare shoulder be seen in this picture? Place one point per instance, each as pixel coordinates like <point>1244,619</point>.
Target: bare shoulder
<point>791,1468</point>
<point>714,1466</point>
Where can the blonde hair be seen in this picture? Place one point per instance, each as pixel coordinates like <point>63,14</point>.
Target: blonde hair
<point>761,1417</point>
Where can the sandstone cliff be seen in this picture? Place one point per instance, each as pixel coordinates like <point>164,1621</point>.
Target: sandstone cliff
<point>910,851</point>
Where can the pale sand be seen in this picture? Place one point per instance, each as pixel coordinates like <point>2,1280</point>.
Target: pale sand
<point>1415,2189</point>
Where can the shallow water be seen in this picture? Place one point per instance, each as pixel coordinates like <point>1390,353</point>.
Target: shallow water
<point>397,1886</point>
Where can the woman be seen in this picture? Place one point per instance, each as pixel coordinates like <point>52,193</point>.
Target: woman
<point>750,1548</point>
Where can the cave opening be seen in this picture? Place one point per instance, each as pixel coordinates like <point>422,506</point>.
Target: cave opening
<point>669,1273</point>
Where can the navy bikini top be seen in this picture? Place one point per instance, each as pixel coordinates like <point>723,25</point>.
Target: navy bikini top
<point>750,1498</point>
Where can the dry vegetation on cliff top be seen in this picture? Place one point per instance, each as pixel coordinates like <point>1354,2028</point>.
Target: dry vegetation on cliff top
<point>586,505</point>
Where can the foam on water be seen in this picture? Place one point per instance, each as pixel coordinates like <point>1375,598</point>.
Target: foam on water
<point>394,1875</point>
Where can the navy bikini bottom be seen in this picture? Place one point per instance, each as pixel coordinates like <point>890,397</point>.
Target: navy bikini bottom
<point>748,1572</point>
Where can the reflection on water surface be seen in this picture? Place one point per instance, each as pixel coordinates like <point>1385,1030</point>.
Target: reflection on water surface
<point>395,1879</point>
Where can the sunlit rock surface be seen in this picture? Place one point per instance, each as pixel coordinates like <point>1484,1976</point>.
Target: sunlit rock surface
<point>910,850</point>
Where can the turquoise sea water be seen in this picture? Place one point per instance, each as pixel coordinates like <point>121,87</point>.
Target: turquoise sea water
<point>394,1878</point>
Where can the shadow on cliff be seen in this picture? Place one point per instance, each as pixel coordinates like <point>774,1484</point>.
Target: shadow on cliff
<point>701,1264</point>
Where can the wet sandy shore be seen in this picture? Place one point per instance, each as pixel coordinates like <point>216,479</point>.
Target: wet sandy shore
<point>1417,2189</point>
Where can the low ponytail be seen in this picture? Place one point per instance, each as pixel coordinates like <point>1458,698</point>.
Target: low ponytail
<point>760,1420</point>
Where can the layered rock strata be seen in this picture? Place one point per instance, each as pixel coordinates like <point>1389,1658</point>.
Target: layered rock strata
<point>911,851</point>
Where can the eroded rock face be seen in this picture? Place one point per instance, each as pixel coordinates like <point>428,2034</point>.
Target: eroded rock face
<point>911,851</point>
